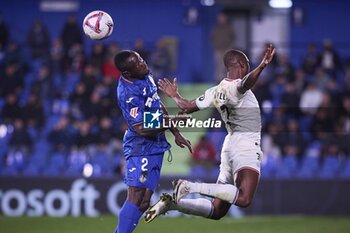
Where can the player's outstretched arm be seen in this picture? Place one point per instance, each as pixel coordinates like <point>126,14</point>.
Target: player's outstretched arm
<point>171,89</point>
<point>250,79</point>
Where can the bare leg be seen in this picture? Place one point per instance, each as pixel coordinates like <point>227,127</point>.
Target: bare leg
<point>136,195</point>
<point>241,195</point>
<point>146,200</point>
<point>220,208</point>
<point>247,182</point>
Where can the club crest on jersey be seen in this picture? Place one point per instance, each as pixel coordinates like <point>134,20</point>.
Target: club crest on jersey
<point>133,112</point>
<point>143,178</point>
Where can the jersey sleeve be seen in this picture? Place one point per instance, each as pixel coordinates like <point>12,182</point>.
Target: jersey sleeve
<point>133,108</point>
<point>206,100</point>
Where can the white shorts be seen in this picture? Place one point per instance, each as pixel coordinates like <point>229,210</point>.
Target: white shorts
<point>239,151</point>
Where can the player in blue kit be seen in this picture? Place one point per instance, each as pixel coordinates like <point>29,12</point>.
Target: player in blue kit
<point>143,148</point>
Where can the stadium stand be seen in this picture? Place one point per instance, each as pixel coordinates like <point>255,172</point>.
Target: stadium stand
<point>52,133</point>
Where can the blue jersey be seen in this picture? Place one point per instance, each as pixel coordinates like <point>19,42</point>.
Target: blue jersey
<point>135,98</point>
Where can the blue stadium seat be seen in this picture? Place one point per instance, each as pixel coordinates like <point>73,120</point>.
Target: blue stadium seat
<point>215,171</point>
<point>101,164</point>
<point>52,171</point>
<point>287,167</point>
<point>3,150</point>
<point>56,164</point>
<point>28,79</point>
<point>33,132</point>
<point>31,170</point>
<point>117,159</point>
<point>198,171</point>
<point>330,167</point>
<point>305,122</point>
<point>50,123</point>
<point>73,171</point>
<point>309,166</point>
<point>1,164</point>
<point>58,160</point>
<point>36,64</point>
<point>38,159</point>
<point>16,159</point>
<point>269,166</point>
<point>24,96</point>
<point>345,172</point>
<point>76,162</point>
<point>9,171</point>
<point>2,103</point>
<point>71,81</point>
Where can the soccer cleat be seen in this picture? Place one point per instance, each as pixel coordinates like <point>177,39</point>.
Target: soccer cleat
<point>161,207</point>
<point>181,189</point>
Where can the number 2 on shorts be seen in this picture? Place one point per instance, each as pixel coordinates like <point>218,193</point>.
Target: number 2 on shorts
<point>144,164</point>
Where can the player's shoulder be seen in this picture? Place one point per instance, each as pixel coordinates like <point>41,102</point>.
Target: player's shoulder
<point>151,79</point>
<point>129,87</point>
<point>128,93</point>
<point>229,84</point>
<point>229,87</point>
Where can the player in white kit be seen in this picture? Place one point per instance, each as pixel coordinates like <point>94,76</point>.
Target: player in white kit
<point>241,153</point>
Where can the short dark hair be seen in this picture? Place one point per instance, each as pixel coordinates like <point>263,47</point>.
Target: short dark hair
<point>121,60</point>
<point>232,56</point>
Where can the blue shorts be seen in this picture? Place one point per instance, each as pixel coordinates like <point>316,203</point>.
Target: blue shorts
<point>143,171</point>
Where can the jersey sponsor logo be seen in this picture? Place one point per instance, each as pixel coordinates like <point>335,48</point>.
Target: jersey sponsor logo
<point>152,120</point>
<point>221,96</point>
<point>152,80</point>
<point>150,100</point>
<point>133,112</point>
<point>129,100</point>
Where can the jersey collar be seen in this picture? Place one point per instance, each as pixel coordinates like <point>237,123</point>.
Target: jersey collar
<point>126,80</point>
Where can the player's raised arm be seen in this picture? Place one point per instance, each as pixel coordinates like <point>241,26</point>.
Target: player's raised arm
<point>171,89</point>
<point>250,79</point>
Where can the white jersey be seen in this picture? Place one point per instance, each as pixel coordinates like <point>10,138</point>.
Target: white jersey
<point>240,112</point>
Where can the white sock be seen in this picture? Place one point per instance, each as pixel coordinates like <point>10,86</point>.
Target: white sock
<point>198,206</point>
<point>225,192</point>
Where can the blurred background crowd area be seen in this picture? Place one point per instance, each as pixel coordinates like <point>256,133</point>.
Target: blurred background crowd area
<point>58,111</point>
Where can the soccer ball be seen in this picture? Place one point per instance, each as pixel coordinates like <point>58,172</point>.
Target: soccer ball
<point>98,25</point>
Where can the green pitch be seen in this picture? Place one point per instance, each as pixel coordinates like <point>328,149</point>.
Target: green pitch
<point>106,224</point>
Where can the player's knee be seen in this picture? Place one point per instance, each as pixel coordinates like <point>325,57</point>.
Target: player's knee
<point>244,202</point>
<point>144,205</point>
<point>218,214</point>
